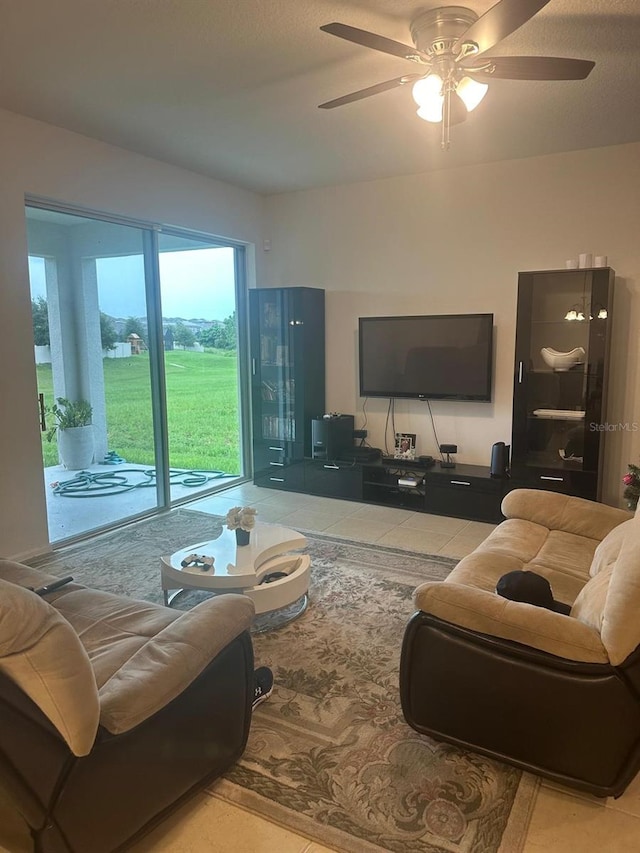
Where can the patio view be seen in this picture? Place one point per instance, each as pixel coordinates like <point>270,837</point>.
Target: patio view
<point>140,326</point>
<point>202,395</point>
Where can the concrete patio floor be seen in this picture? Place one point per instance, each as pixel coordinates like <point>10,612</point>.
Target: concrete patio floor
<point>71,516</point>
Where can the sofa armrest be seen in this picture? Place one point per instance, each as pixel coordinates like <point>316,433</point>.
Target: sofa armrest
<point>489,613</point>
<point>563,512</point>
<point>168,663</point>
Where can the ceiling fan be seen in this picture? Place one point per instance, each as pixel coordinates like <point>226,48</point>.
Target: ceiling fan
<point>450,43</point>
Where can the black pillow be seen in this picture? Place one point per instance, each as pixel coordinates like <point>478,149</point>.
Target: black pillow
<point>530,588</point>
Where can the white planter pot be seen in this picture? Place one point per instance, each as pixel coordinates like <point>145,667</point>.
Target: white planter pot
<point>75,446</point>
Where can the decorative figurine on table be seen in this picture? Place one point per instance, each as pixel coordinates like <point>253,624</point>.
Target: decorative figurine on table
<point>241,519</point>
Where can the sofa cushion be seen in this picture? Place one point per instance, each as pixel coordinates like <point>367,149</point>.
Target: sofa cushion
<point>610,601</point>
<point>563,512</point>
<point>482,570</point>
<point>41,653</point>
<point>516,538</point>
<point>589,605</point>
<point>608,550</point>
<point>112,628</point>
<point>169,661</point>
<point>516,544</point>
<point>567,553</point>
<point>620,624</point>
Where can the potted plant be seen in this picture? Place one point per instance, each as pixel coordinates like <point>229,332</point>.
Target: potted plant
<point>241,519</point>
<point>74,431</point>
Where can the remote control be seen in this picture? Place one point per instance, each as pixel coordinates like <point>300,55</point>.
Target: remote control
<point>51,587</point>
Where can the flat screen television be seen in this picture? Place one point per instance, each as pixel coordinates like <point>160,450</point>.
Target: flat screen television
<point>439,357</point>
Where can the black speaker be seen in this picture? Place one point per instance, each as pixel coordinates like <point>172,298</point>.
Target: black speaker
<point>500,459</point>
<point>331,436</point>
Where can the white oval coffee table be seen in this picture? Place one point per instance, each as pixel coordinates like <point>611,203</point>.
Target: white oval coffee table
<point>242,568</point>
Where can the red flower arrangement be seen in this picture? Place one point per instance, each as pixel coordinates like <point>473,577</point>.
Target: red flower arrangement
<point>631,482</point>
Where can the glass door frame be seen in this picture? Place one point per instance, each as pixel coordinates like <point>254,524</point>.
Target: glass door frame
<point>151,252</point>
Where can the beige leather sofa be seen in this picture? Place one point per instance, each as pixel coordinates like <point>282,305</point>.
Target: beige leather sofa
<point>112,710</point>
<point>555,694</point>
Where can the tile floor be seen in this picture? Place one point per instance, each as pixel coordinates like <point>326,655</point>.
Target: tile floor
<point>563,821</point>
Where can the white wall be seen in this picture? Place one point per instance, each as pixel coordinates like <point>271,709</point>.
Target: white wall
<point>45,161</point>
<point>454,241</point>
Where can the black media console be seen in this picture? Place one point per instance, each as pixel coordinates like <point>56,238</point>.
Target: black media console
<point>466,491</point>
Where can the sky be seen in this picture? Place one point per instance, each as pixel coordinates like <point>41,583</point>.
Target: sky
<point>194,284</point>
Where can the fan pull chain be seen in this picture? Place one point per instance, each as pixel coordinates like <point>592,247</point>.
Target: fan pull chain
<point>446,116</point>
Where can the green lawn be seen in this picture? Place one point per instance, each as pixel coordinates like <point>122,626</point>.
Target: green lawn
<point>202,409</point>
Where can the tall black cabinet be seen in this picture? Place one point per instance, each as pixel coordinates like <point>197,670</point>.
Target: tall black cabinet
<point>286,330</point>
<point>563,338</point>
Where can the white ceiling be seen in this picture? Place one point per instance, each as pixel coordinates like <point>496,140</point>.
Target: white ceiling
<point>230,88</point>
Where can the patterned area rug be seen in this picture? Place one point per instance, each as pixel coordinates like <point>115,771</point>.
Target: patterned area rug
<point>330,755</point>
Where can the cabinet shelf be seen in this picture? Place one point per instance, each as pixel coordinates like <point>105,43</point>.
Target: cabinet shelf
<point>579,324</point>
<point>396,487</point>
<point>539,419</point>
<point>578,420</point>
<point>549,372</point>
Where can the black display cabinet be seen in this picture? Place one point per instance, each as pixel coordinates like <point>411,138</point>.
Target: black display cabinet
<point>286,332</point>
<point>563,336</point>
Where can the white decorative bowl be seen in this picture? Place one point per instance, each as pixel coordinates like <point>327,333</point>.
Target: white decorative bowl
<point>562,361</point>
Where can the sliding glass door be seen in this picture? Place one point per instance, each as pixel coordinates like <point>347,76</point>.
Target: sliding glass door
<point>199,325</point>
<point>139,329</point>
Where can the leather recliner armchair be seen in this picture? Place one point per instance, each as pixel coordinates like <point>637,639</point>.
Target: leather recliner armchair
<point>558,695</point>
<point>113,711</point>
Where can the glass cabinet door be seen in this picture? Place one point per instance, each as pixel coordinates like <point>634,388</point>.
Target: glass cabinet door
<point>561,348</point>
<point>287,352</point>
<point>274,371</point>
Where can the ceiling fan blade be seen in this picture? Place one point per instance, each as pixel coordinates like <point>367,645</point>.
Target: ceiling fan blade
<point>531,68</point>
<point>375,42</point>
<point>371,90</point>
<point>498,22</point>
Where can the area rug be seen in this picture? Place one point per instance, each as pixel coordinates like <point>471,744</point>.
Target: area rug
<point>330,755</point>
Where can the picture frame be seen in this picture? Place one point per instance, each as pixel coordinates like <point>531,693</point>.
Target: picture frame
<point>405,445</point>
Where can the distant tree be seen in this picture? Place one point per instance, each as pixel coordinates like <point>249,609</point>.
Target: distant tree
<point>183,335</point>
<point>229,325</point>
<point>212,337</point>
<point>40,315</point>
<point>108,334</point>
<point>220,335</point>
<point>134,326</point>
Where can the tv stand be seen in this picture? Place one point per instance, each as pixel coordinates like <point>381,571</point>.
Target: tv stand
<point>467,491</point>
<point>395,483</point>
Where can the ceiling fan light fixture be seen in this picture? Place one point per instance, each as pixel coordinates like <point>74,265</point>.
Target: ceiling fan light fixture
<point>451,46</point>
<point>427,90</point>
<point>427,93</point>
<point>471,92</point>
<point>431,112</point>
